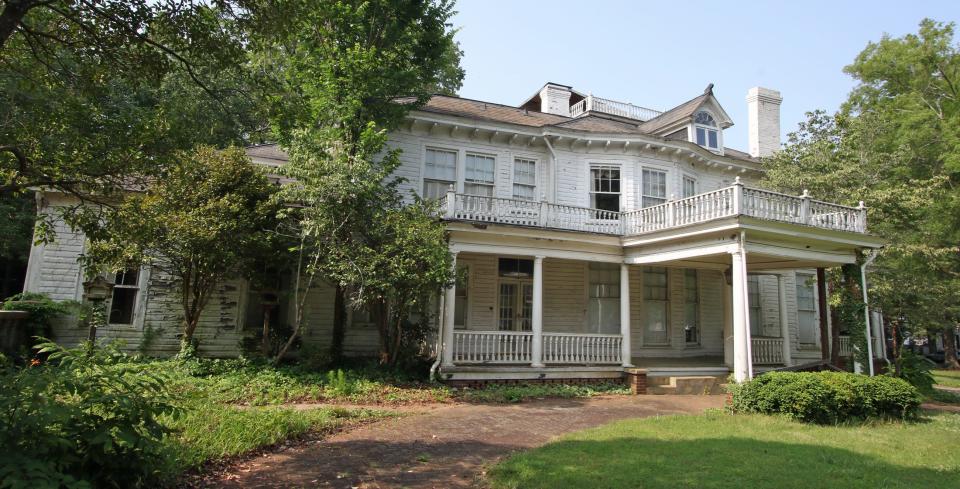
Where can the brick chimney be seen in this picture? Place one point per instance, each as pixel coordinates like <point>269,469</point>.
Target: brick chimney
<point>555,99</point>
<point>763,108</point>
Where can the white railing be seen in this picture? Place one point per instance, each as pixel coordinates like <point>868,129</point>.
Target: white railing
<point>735,200</point>
<point>767,351</point>
<point>846,347</point>
<point>581,348</point>
<point>492,347</point>
<point>607,106</point>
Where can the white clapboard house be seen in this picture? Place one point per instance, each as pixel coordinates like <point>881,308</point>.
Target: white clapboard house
<point>593,235</point>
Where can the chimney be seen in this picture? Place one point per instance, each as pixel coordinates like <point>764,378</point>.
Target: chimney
<point>763,107</point>
<point>555,99</point>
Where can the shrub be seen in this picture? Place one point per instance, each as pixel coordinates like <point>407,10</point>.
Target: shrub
<point>42,311</point>
<point>86,417</point>
<point>826,397</point>
<point>918,371</point>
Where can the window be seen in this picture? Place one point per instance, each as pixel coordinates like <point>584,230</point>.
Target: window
<point>654,188</point>
<point>706,130</point>
<point>605,188</point>
<point>691,306</point>
<point>756,309</point>
<point>478,179</point>
<point>524,179</point>
<point>604,307</point>
<point>656,302</point>
<point>515,268</point>
<point>689,186</point>
<point>266,295</point>
<point>515,298</point>
<point>460,306</point>
<point>439,172</point>
<point>806,309</point>
<point>123,303</point>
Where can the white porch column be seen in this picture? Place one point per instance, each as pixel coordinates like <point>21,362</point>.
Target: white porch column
<point>625,315</point>
<point>784,322</point>
<point>449,311</point>
<point>537,351</point>
<point>742,363</point>
<point>866,311</point>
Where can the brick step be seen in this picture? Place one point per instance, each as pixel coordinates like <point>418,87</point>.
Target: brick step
<point>698,385</point>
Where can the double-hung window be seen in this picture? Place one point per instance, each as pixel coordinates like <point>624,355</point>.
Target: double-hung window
<point>604,307</point>
<point>461,297</point>
<point>706,130</point>
<point>689,186</point>
<point>656,306</point>
<point>806,309</point>
<point>605,187</point>
<point>653,188</point>
<point>123,303</point>
<point>439,173</point>
<point>756,307</point>
<point>524,179</point>
<point>478,179</point>
<point>691,306</point>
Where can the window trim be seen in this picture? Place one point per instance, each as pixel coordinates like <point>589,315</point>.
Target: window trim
<point>641,181</point>
<point>463,179</point>
<point>816,309</point>
<point>139,303</point>
<point>707,129</point>
<point>683,181</point>
<point>668,315</point>
<point>467,287</point>
<point>587,295</point>
<point>536,177</point>
<point>699,304</point>
<point>590,192</point>
<point>457,171</point>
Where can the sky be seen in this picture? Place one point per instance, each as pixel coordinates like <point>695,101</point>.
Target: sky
<point>660,54</point>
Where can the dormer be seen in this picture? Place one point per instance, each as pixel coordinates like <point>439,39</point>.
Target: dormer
<point>700,120</point>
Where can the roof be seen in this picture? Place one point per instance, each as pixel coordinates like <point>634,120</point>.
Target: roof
<point>678,113</point>
<point>445,104</point>
<point>594,123</point>
<point>267,152</point>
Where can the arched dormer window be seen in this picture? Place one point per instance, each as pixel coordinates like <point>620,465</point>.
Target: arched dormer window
<point>706,131</point>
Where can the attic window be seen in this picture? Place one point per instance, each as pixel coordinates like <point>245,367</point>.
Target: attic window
<point>706,130</point>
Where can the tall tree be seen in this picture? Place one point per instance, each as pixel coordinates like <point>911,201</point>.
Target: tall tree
<point>348,72</point>
<point>206,219</point>
<point>895,144</point>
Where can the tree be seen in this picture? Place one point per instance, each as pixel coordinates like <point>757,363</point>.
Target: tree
<point>101,94</point>
<point>207,219</point>
<point>348,72</point>
<point>895,144</point>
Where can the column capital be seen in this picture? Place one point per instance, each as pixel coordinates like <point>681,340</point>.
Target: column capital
<point>539,257</point>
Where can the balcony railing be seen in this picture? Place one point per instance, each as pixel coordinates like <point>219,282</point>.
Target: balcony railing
<point>735,200</point>
<point>607,106</point>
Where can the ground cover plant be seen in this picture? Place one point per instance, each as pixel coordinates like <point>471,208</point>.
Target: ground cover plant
<point>947,378</point>
<point>717,450</point>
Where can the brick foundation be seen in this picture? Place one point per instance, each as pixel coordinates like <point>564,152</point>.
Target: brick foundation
<point>482,383</point>
<point>636,378</point>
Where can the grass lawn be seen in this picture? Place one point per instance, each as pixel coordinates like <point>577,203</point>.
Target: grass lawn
<point>716,450</point>
<point>948,378</point>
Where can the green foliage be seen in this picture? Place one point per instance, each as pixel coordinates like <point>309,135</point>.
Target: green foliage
<point>279,335</point>
<point>917,370</point>
<point>42,309</point>
<point>17,214</point>
<point>826,397</point>
<point>338,384</point>
<point>517,393</point>
<point>206,219</point>
<point>83,418</point>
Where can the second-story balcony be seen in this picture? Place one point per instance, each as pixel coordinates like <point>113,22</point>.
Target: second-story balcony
<point>735,200</point>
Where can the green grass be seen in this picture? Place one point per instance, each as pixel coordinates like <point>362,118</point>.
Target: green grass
<point>948,378</point>
<point>717,450</point>
<point>517,393</point>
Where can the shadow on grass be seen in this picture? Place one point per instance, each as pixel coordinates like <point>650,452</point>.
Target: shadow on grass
<point>707,463</point>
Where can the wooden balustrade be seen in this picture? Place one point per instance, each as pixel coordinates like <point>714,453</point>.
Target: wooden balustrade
<point>574,348</point>
<point>846,347</point>
<point>767,351</point>
<point>608,106</point>
<point>725,202</point>
<point>492,347</point>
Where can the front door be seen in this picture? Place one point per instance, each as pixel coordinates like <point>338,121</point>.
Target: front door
<point>515,306</point>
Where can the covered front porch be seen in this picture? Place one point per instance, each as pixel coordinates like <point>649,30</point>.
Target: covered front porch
<point>737,299</point>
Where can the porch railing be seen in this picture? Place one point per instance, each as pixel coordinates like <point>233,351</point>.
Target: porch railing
<point>735,200</point>
<point>767,351</point>
<point>577,348</point>
<point>492,347</point>
<point>846,347</point>
<point>607,106</point>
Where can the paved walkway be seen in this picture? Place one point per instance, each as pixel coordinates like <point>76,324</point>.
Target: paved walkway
<point>446,446</point>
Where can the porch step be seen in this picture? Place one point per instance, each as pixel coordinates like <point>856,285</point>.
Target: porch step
<point>704,385</point>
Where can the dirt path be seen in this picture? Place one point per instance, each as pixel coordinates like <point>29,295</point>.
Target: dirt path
<point>447,446</point>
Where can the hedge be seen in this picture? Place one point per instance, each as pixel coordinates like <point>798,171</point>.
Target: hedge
<point>826,397</point>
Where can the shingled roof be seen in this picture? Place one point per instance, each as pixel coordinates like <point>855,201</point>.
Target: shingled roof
<point>445,104</point>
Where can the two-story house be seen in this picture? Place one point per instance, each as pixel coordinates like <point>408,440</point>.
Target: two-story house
<point>592,235</point>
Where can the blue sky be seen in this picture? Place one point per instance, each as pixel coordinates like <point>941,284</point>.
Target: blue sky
<point>660,54</point>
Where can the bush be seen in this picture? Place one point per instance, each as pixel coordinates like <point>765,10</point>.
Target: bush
<point>84,418</point>
<point>918,371</point>
<point>42,311</point>
<point>826,397</point>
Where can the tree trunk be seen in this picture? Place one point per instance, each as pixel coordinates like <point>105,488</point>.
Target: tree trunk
<point>339,324</point>
<point>825,337</point>
<point>378,309</point>
<point>13,13</point>
<point>950,349</point>
<point>896,343</point>
<point>265,340</point>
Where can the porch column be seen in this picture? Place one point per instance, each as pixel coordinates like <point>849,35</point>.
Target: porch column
<point>784,322</point>
<point>537,350</point>
<point>449,310</point>
<point>866,311</point>
<point>625,315</point>
<point>742,363</point>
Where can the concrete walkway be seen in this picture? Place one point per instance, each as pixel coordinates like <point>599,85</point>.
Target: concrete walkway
<point>445,446</point>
